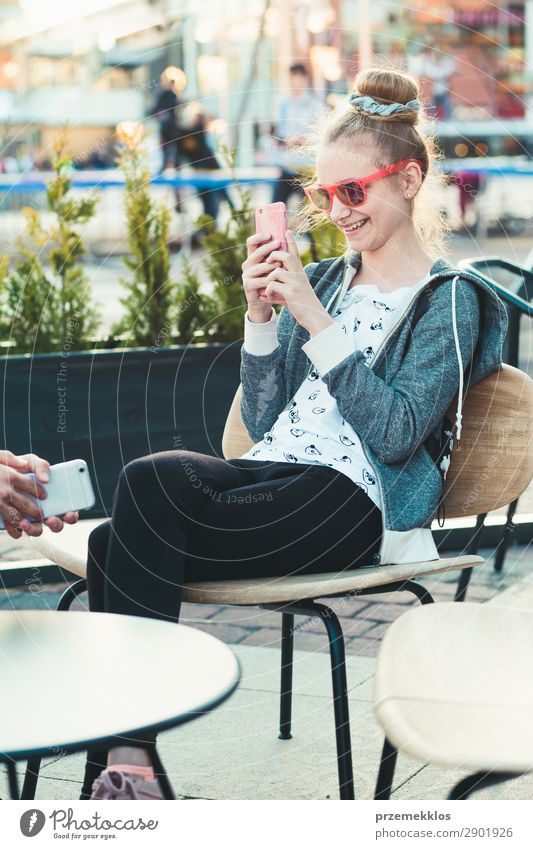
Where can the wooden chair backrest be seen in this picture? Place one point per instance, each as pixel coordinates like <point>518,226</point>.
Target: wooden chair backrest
<point>235,439</point>
<point>494,463</point>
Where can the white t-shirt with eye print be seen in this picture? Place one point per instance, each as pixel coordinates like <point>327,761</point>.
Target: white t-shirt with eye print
<point>311,429</point>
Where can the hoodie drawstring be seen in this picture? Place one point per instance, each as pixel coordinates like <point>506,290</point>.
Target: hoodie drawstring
<point>459,414</point>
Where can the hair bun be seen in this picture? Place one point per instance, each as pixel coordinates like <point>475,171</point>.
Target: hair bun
<point>389,86</point>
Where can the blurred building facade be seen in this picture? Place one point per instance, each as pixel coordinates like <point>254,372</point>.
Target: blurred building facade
<point>94,63</point>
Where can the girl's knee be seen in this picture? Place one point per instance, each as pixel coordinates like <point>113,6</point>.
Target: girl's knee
<point>163,466</point>
<point>174,473</point>
<point>137,472</point>
<point>98,538</point>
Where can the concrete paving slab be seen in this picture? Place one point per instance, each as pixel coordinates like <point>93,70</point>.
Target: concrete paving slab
<point>435,782</point>
<point>234,753</point>
<point>49,789</point>
<point>311,671</point>
<point>421,782</point>
<point>518,596</point>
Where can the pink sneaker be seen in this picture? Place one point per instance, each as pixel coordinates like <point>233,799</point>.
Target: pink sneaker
<point>117,784</point>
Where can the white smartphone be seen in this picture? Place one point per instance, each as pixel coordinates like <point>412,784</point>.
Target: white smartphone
<point>69,488</point>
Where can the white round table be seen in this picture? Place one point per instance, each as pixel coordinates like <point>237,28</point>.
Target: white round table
<point>58,668</point>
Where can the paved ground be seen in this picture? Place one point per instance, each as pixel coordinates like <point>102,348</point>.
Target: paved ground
<point>234,752</point>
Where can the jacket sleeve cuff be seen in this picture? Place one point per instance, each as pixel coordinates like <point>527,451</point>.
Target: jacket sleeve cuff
<point>260,338</point>
<point>328,348</point>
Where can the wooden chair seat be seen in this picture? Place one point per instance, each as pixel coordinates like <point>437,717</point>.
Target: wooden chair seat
<point>326,584</point>
<point>69,550</point>
<point>454,686</point>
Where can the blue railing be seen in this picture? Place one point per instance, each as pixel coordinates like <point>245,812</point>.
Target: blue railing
<point>112,178</point>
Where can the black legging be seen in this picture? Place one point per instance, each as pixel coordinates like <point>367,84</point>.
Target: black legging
<point>180,516</point>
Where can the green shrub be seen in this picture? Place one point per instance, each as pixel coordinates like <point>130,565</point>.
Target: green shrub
<point>225,254</point>
<point>150,297</point>
<point>195,310</point>
<point>45,295</point>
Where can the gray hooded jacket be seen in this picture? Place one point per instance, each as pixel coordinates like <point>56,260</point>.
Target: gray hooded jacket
<point>454,323</point>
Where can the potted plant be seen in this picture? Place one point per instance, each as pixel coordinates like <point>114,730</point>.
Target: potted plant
<point>65,394</point>
<point>167,378</point>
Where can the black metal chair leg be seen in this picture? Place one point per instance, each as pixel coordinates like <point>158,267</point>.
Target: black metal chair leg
<point>161,773</point>
<point>71,593</point>
<point>423,595</point>
<point>285,705</point>
<point>472,548</point>
<point>462,584</point>
<point>340,695</point>
<point>508,532</point>
<point>339,682</point>
<point>464,788</point>
<point>387,766</point>
<point>13,779</point>
<point>340,702</point>
<point>340,686</point>
<point>31,777</point>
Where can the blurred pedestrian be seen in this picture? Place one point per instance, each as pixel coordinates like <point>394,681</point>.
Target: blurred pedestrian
<point>469,185</point>
<point>101,157</point>
<point>439,68</point>
<point>167,111</point>
<point>296,113</point>
<point>197,147</point>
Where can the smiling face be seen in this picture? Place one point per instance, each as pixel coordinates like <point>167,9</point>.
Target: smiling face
<point>387,209</point>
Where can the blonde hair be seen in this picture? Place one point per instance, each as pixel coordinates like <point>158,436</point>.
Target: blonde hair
<point>402,135</point>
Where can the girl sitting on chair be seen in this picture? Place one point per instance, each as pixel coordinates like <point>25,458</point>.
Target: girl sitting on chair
<point>344,394</point>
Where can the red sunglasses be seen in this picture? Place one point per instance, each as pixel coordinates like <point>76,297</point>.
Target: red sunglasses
<point>350,192</point>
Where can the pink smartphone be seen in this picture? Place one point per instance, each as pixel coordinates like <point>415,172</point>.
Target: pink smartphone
<point>272,218</point>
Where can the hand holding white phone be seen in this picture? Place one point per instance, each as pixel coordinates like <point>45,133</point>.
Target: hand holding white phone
<point>69,489</point>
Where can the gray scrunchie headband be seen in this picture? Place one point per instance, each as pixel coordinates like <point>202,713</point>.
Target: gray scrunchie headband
<point>365,103</point>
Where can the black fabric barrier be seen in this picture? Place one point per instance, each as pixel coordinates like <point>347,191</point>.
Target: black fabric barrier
<point>110,407</point>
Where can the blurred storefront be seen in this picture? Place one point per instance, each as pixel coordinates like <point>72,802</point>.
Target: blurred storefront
<point>487,43</point>
<point>98,62</point>
<point>474,59</point>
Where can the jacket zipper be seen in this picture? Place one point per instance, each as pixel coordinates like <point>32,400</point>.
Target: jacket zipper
<point>377,557</point>
<point>396,325</point>
<point>336,294</point>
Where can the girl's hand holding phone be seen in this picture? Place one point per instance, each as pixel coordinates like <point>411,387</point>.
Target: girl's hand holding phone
<point>289,284</point>
<point>16,486</point>
<point>272,219</point>
<point>255,270</point>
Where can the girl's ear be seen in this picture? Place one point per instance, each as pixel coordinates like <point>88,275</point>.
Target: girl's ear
<point>411,180</point>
